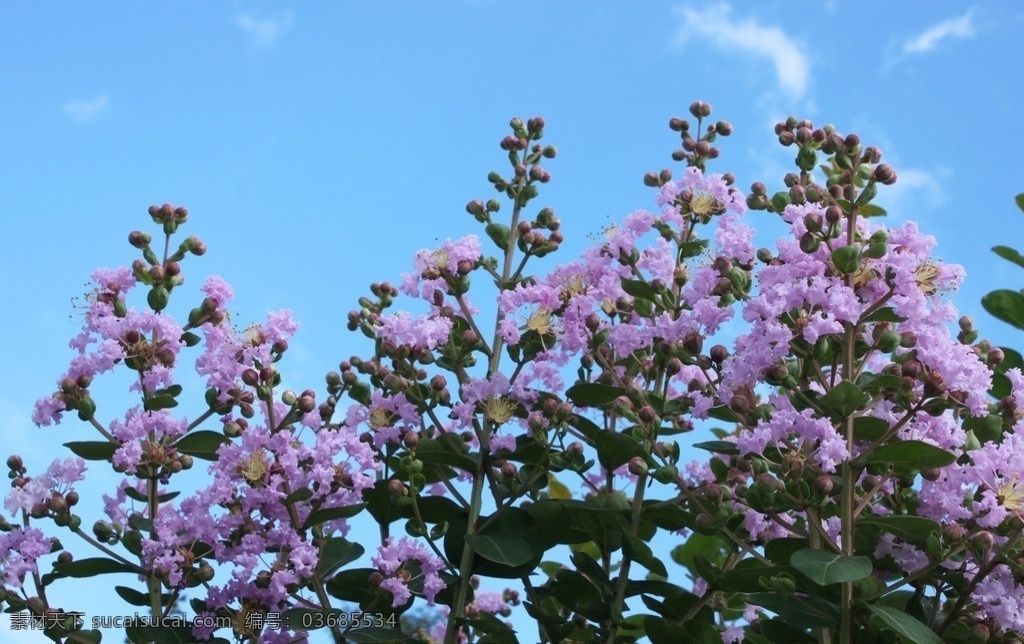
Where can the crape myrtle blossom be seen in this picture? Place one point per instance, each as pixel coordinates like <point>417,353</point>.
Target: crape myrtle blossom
<point>227,354</point>
<point>58,479</point>
<point>454,258</point>
<point>387,417</point>
<point>21,548</point>
<point>394,558</point>
<point>426,331</point>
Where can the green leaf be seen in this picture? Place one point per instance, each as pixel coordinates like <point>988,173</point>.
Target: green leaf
<point>905,626</point>
<point>909,528</point>
<point>884,314</point>
<point>844,399</point>
<point>132,596</point>
<point>202,444</point>
<point>300,494</point>
<point>1020,201</point>
<point>846,259</point>
<point>869,428</point>
<point>799,612</point>
<point>711,548</point>
<point>824,567</point>
<point>640,552</point>
<point>360,392</point>
<point>502,549</point>
<point>916,454</point>
<point>330,514</point>
<point>719,447</point>
<point>352,585</point>
<point>871,210</point>
<point>335,553</point>
<point>499,234</point>
<point>638,288</point>
<point>614,449</point>
<point>1005,305</point>
<point>745,577</point>
<point>93,450</point>
<point>1009,254</point>
<point>593,394</point>
<point>91,567</point>
<point>161,401</point>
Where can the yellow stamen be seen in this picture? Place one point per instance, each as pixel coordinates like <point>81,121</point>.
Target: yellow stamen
<point>499,409</point>
<point>381,418</point>
<point>704,204</point>
<point>253,336</point>
<point>1011,494</point>
<point>540,321</point>
<point>440,258</point>
<point>254,468</point>
<point>927,274</point>
<point>572,286</point>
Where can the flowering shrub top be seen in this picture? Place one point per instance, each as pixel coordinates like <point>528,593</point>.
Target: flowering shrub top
<point>869,483</point>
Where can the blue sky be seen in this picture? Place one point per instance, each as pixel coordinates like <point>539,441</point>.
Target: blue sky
<point>319,145</point>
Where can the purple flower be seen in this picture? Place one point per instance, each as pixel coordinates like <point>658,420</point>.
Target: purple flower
<point>391,559</point>
<point>217,289</point>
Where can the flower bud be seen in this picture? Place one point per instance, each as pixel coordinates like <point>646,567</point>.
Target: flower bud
<point>396,487</point>
<point>15,463</point>
<point>884,174</point>
<point>637,466</point>
<point>475,208</point>
<point>823,485</point>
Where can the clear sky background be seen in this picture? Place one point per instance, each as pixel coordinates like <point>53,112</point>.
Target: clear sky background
<point>319,145</point>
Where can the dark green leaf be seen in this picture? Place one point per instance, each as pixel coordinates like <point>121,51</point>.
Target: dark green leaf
<point>905,626</point>
<point>776,630</point>
<point>711,548</point>
<point>1009,254</point>
<point>614,450</point>
<point>909,528</point>
<point>640,552</point>
<point>799,612</point>
<point>499,234</point>
<point>1005,305</point>
<point>300,494</point>
<point>593,394</point>
<point>869,428</point>
<point>360,392</point>
<point>884,314</point>
<point>435,452</point>
<point>916,454</point>
<point>352,585</point>
<point>376,635</point>
<point>93,450</point>
<point>91,567</point>
<point>745,577</point>
<point>337,552</point>
<point>1020,200</point>
<point>638,288</point>
<point>846,259</point>
<point>330,514</point>
<point>824,567</point>
<point>132,596</point>
<point>161,401</point>
<point>719,447</point>
<point>870,210</point>
<point>507,550</point>
<point>844,399</point>
<point>202,444</point>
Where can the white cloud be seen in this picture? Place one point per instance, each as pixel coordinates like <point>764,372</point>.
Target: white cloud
<point>961,27</point>
<point>915,193</point>
<point>717,25</point>
<point>263,32</point>
<point>86,109</point>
